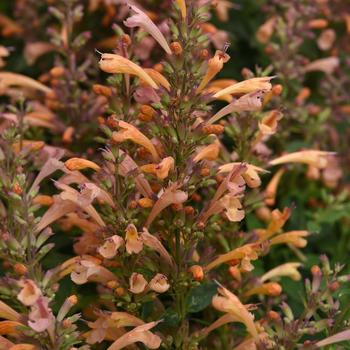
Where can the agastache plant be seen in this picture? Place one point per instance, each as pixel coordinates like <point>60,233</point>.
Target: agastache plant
<point>138,235</point>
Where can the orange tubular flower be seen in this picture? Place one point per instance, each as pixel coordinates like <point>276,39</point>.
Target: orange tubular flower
<point>137,283</point>
<point>215,65</point>
<point>247,252</point>
<point>266,30</point>
<point>161,170</point>
<point>133,240</point>
<point>110,248</point>
<point>30,293</point>
<point>247,86</point>
<point>288,269</point>
<point>250,175</point>
<point>159,283</point>
<point>229,303</point>
<point>271,188</point>
<point>182,7</point>
<point>311,157</point>
<point>294,238</point>
<point>80,164</point>
<point>210,152</point>
<point>158,78</point>
<point>112,63</point>
<point>8,313</point>
<point>139,334</point>
<point>271,289</point>
<point>268,124</point>
<point>130,132</point>
<point>140,19</point>
<point>8,79</point>
<point>326,65</point>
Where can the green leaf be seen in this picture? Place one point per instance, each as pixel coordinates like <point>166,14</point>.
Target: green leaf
<point>200,297</point>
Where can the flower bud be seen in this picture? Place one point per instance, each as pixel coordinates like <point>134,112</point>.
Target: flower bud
<point>103,90</point>
<point>197,272</point>
<point>145,202</point>
<point>57,72</point>
<point>176,48</point>
<point>20,269</point>
<point>213,129</point>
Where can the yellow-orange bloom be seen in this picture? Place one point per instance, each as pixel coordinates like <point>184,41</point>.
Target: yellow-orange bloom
<point>182,7</point>
<point>250,175</point>
<point>161,170</point>
<point>130,132</point>
<point>247,86</point>
<point>215,65</point>
<point>8,313</point>
<point>288,269</point>
<point>210,152</point>
<point>112,63</point>
<point>27,144</point>
<point>311,157</point>
<point>133,240</point>
<point>268,124</point>
<point>9,328</point>
<point>8,79</point>
<point>295,238</point>
<point>158,77</point>
<point>270,288</point>
<point>266,30</point>
<point>271,188</point>
<point>80,164</point>
<point>229,303</point>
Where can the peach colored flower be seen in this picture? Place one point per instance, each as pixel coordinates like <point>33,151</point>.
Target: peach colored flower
<point>326,40</point>
<point>140,19</point>
<point>171,195</point>
<point>210,152</point>
<point>270,289</point>
<point>110,248</point>
<point>138,334</point>
<point>247,86</point>
<point>40,316</point>
<point>10,328</point>
<point>182,7</point>
<point>250,175</point>
<point>84,271</point>
<point>80,163</point>
<point>159,283</point>
<point>158,77</point>
<point>29,293</point>
<point>268,124</point>
<point>130,132</point>
<point>326,65</point>
<point>137,283</point>
<point>222,8</point>
<point>228,302</point>
<point>288,269</point>
<point>112,63</point>
<point>294,238</point>
<point>271,188</point>
<point>266,30</point>
<point>248,252</point>
<point>250,102</point>
<point>161,170</point>
<point>33,50</point>
<point>215,65</point>
<point>110,325</point>
<point>233,208</point>
<point>7,313</point>
<point>311,157</point>
<point>134,243</point>
<point>8,79</point>
<point>154,243</point>
<point>336,338</point>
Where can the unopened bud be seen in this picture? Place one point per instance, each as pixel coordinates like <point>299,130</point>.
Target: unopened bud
<point>112,284</point>
<point>277,89</point>
<point>145,203</point>
<point>103,90</point>
<point>20,269</point>
<point>57,72</point>
<point>189,210</point>
<point>213,129</point>
<point>16,188</point>
<point>176,48</point>
<point>197,272</point>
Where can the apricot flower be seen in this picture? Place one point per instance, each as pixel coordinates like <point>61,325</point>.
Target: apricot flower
<point>137,283</point>
<point>140,19</point>
<point>29,293</point>
<point>109,249</point>
<point>289,269</point>
<point>161,170</point>
<point>133,240</point>
<point>159,283</point>
<point>112,63</point>
<point>130,132</point>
